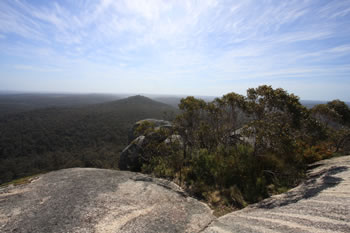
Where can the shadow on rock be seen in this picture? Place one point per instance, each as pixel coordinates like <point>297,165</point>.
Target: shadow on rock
<point>316,183</point>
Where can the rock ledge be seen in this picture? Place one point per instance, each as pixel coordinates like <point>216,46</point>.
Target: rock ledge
<point>100,200</point>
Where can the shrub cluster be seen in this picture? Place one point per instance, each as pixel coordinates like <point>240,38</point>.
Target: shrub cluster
<point>239,149</point>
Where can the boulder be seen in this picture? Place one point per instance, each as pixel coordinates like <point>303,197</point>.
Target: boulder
<point>99,200</point>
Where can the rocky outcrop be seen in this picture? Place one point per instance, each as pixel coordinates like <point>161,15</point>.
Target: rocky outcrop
<point>100,200</point>
<point>154,122</point>
<point>320,204</point>
<point>131,158</point>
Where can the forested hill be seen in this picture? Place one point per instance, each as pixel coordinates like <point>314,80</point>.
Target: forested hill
<point>53,138</point>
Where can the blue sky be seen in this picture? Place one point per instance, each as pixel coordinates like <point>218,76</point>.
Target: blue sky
<point>191,47</point>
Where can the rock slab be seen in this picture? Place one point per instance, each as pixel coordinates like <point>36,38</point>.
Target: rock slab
<point>320,204</point>
<point>100,200</point>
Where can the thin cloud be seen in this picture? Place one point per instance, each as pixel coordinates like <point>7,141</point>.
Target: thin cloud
<point>334,9</point>
<point>33,68</point>
<point>188,40</point>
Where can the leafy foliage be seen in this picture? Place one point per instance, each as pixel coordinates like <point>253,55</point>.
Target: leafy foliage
<point>335,118</point>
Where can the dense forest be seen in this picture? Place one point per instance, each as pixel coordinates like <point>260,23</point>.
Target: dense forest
<point>239,149</point>
<point>52,138</point>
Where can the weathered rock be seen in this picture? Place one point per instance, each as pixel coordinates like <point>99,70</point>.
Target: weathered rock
<point>100,200</point>
<point>320,204</point>
<point>155,122</point>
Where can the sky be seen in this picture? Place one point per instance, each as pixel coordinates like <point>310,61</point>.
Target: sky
<point>180,47</point>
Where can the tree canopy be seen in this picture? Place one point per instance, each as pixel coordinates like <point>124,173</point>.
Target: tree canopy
<point>239,149</point>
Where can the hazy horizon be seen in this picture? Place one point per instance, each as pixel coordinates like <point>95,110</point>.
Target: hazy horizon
<point>149,95</point>
<point>177,48</point>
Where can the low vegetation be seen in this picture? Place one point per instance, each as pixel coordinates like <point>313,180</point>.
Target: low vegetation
<point>21,181</point>
<point>239,149</point>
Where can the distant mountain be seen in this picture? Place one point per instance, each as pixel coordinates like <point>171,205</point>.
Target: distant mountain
<point>139,99</point>
<point>59,137</point>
